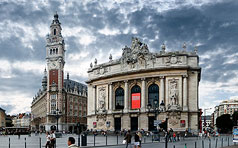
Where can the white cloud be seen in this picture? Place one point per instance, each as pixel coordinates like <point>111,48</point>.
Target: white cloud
<point>20,101</point>
<point>6,67</point>
<point>109,31</point>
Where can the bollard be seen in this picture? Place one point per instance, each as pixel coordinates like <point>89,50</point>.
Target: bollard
<point>152,138</point>
<point>228,141</point>
<point>117,139</point>
<point>185,146</point>
<point>209,143</point>
<point>94,140</point>
<point>25,142</point>
<point>106,139</point>
<point>78,140</point>
<point>202,144</point>
<point>40,141</point>
<point>221,142</point>
<point>195,144</point>
<point>9,143</point>
<point>174,146</point>
<point>144,139</point>
<point>216,144</point>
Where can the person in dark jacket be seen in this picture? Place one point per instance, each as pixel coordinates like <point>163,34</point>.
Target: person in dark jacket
<point>128,139</point>
<point>137,140</point>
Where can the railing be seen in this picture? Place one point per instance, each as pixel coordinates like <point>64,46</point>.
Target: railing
<point>38,141</point>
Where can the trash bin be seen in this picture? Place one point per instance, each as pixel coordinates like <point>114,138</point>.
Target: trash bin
<point>83,140</point>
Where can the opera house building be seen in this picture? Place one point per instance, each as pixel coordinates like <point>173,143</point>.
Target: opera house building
<point>142,89</point>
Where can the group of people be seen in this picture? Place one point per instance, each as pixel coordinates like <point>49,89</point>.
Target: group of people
<point>173,136</point>
<point>50,140</point>
<point>137,139</point>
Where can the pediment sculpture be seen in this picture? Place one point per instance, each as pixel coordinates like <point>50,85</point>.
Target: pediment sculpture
<point>138,53</point>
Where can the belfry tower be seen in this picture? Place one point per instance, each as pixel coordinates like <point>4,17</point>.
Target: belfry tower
<point>55,56</point>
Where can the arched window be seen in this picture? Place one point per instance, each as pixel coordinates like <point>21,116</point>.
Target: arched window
<point>53,51</point>
<point>54,31</point>
<point>50,51</point>
<point>135,97</point>
<point>119,98</point>
<point>153,96</point>
<point>56,50</point>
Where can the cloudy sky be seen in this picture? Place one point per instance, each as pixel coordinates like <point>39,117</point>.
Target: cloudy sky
<point>94,29</point>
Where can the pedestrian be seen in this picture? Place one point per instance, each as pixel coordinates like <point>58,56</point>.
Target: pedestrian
<point>174,136</point>
<point>47,145</point>
<point>178,134</point>
<point>140,138</point>
<point>137,140</point>
<point>52,139</point>
<point>71,143</point>
<point>171,135</point>
<point>128,139</point>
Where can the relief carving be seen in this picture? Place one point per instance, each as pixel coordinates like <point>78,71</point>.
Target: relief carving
<point>102,97</point>
<point>173,60</point>
<point>173,95</point>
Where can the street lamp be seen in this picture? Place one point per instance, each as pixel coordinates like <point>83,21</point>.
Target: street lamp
<point>57,116</point>
<point>156,109</point>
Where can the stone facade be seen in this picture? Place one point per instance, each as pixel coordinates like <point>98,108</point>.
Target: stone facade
<point>2,118</point>
<point>60,98</point>
<point>122,90</point>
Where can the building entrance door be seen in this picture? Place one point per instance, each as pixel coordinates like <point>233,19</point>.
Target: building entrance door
<point>117,124</point>
<point>134,123</point>
<point>151,123</point>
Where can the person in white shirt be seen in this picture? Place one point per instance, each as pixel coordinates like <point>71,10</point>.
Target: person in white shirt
<point>47,145</point>
<point>52,139</point>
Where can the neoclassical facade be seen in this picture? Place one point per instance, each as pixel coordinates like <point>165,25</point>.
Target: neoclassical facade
<point>125,93</point>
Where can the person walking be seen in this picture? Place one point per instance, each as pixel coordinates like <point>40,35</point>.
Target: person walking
<point>52,139</point>
<point>47,145</point>
<point>140,138</point>
<point>137,140</point>
<point>128,139</point>
<point>71,143</point>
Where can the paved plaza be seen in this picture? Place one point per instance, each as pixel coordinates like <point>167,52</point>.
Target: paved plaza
<point>100,141</point>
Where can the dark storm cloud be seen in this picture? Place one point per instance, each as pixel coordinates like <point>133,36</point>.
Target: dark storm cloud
<point>212,27</point>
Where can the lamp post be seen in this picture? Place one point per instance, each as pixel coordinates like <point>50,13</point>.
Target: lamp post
<point>57,116</point>
<point>156,109</point>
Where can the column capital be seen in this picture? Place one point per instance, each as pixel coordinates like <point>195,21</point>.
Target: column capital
<point>94,86</point>
<point>110,83</point>
<point>125,81</point>
<point>161,77</point>
<point>185,76</point>
<point>143,79</point>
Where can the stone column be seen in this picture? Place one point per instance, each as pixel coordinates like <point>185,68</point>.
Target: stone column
<point>126,97</point>
<point>95,99</point>
<point>185,93</point>
<point>110,98</point>
<point>161,91</point>
<point>143,95</point>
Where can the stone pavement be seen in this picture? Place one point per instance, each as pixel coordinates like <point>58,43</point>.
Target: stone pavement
<point>100,141</point>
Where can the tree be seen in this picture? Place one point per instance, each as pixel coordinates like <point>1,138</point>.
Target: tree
<point>224,123</point>
<point>235,118</point>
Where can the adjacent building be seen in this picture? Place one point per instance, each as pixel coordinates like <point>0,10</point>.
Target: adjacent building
<point>22,120</point>
<point>140,87</point>
<point>2,118</point>
<point>60,102</point>
<point>206,122</point>
<point>225,107</point>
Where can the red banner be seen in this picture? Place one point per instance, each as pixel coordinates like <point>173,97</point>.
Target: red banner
<point>135,101</point>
